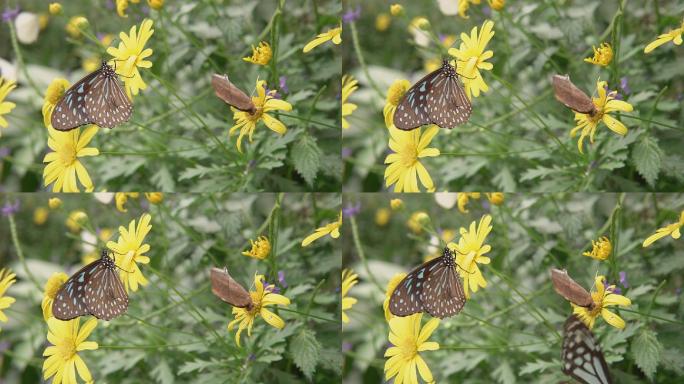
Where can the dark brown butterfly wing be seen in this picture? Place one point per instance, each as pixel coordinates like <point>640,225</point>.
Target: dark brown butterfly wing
<point>70,111</point>
<point>106,102</point>
<point>70,301</point>
<point>570,289</point>
<point>443,294</point>
<point>581,354</point>
<point>228,92</point>
<point>105,294</point>
<point>412,111</point>
<point>572,97</point>
<point>228,290</point>
<point>448,105</point>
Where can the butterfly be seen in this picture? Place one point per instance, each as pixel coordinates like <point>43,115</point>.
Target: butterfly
<point>437,98</point>
<point>228,92</point>
<point>581,354</point>
<point>97,98</point>
<point>570,289</point>
<point>95,289</point>
<point>434,287</point>
<point>228,290</point>
<point>572,97</point>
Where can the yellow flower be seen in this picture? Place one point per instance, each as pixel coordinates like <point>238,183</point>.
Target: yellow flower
<point>408,338</point>
<point>75,25</point>
<point>463,6</point>
<point>333,229</point>
<point>382,22</point>
<point>261,298</point>
<point>40,215</point>
<point>674,35</point>
<point>55,8</point>
<point>349,85</point>
<point>5,106</point>
<point>131,54</point>
<point>471,57</point>
<point>396,9</point>
<point>129,250</point>
<point>121,198</point>
<point>63,360</point>
<point>603,297</point>
<point>261,55</point>
<point>496,198</point>
<point>63,166</point>
<point>497,5</point>
<point>605,104</point>
<point>382,216</point>
<point>7,278</point>
<point>391,286</point>
<point>154,197</point>
<point>603,55</point>
<point>263,103</point>
<point>419,23</point>
<point>671,230</point>
<point>470,251</point>
<point>76,220</point>
<point>349,279</point>
<point>121,6</point>
<point>334,34</point>
<point>54,202</point>
<point>404,167</point>
<point>463,199</point>
<point>417,220</point>
<point>396,204</point>
<point>53,94</point>
<point>601,249</point>
<point>52,286</point>
<point>395,93</point>
<point>261,248</point>
<point>155,4</point>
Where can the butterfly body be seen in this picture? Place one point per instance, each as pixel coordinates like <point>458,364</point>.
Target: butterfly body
<point>95,289</point>
<point>572,97</point>
<point>232,95</point>
<point>581,354</point>
<point>228,290</point>
<point>434,287</point>
<point>570,289</point>
<point>437,98</point>
<point>98,99</point>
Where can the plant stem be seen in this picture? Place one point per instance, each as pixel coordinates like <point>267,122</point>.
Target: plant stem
<point>362,255</point>
<point>20,252</point>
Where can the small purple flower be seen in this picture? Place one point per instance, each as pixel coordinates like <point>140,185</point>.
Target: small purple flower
<point>487,11</point>
<point>352,15</point>
<point>271,92</point>
<point>615,290</point>
<point>270,287</point>
<point>623,279</point>
<point>110,4</point>
<point>283,84</point>
<point>624,86</point>
<point>281,279</point>
<point>351,210</point>
<point>251,357</point>
<point>4,152</point>
<point>10,209</point>
<point>442,37</point>
<point>10,14</point>
<point>346,346</point>
<point>346,152</point>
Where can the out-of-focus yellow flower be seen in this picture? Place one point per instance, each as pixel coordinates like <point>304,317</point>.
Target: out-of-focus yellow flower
<point>121,198</point>
<point>261,298</point>
<point>7,278</point>
<point>43,20</point>
<point>417,220</point>
<point>382,22</point>
<point>75,25</point>
<point>332,229</point>
<point>76,220</point>
<point>464,5</point>
<point>53,94</point>
<point>408,338</point>
<point>349,85</point>
<point>471,57</point>
<point>91,63</point>
<point>263,102</point>
<point>261,54</point>
<point>40,215</point>
<point>674,36</point>
<point>395,93</point>
<point>464,198</point>
<point>382,216</point>
<point>261,248</point>
<point>396,9</point>
<point>497,5</point>
<point>603,55</point>
<point>603,297</point>
<point>605,103</point>
<point>121,6</point>
<point>63,360</point>
<point>131,54</point>
<point>396,204</point>
<point>154,197</point>
<point>671,230</point>
<point>391,286</point>
<point>403,166</point>
<point>470,251</point>
<point>601,249</point>
<point>55,8</point>
<point>349,279</point>
<point>334,34</point>
<point>6,86</point>
<point>155,4</point>
<point>129,251</point>
<point>52,286</point>
<point>496,198</point>
<point>54,203</point>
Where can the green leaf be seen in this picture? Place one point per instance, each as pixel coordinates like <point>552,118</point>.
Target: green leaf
<point>305,351</point>
<point>504,373</point>
<point>195,365</point>
<point>162,372</point>
<point>163,180</point>
<point>647,157</point>
<point>306,158</point>
<point>538,366</point>
<point>646,352</point>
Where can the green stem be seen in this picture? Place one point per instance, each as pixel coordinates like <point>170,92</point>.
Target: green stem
<point>362,61</point>
<point>362,255</point>
<point>20,252</point>
<point>20,59</point>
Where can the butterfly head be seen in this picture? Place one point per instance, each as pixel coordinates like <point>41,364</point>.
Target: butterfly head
<point>107,70</point>
<point>106,260</point>
<point>449,257</point>
<point>447,68</point>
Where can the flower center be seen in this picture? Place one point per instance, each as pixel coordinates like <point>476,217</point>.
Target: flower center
<point>409,349</point>
<point>396,93</point>
<point>68,154</point>
<point>409,154</point>
<point>67,348</point>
